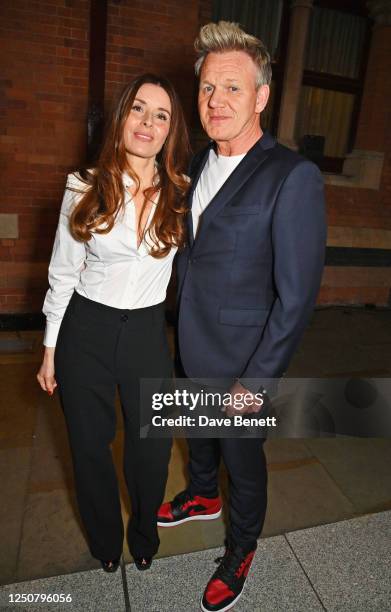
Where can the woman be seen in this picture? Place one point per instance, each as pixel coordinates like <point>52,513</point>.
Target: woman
<point>120,226</point>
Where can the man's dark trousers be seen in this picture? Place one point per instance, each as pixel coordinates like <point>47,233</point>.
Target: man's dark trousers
<point>245,461</point>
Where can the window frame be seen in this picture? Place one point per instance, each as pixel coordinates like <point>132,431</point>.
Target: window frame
<point>333,82</point>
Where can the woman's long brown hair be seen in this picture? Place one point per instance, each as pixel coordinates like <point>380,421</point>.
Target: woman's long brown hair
<point>104,196</point>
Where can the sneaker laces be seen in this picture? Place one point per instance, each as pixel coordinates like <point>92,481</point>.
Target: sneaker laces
<point>182,498</point>
<point>229,565</point>
<point>218,560</point>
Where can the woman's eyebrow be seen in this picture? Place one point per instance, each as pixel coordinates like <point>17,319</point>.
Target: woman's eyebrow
<point>160,108</point>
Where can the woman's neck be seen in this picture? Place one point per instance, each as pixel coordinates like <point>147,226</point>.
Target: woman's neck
<point>144,168</point>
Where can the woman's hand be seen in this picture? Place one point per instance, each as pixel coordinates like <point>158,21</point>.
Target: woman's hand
<point>45,375</point>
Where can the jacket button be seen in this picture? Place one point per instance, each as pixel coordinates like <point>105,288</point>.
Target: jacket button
<point>124,317</point>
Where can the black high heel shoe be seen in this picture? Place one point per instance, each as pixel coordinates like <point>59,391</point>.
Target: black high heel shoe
<point>143,563</point>
<point>110,566</point>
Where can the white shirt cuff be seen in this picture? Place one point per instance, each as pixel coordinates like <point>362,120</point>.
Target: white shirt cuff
<point>51,333</point>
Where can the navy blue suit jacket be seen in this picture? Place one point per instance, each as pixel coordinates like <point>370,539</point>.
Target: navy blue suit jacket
<point>248,284</point>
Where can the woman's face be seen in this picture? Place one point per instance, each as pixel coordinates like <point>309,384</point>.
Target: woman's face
<point>148,122</point>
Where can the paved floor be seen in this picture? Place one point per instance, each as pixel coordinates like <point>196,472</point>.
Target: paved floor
<point>343,566</point>
<point>312,481</point>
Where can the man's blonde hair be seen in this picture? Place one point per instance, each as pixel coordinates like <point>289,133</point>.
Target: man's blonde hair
<point>229,36</point>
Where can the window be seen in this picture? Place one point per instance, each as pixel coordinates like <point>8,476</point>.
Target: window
<point>332,83</point>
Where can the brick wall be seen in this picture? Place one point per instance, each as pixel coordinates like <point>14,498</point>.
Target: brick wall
<point>44,66</point>
<point>43,105</point>
<point>151,36</point>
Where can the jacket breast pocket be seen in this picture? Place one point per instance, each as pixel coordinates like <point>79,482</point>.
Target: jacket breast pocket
<point>247,317</point>
<point>228,211</point>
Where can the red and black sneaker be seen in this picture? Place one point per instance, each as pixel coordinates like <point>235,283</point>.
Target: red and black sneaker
<point>185,507</point>
<point>226,585</point>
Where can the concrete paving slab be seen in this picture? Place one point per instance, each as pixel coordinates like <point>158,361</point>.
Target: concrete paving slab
<point>276,582</point>
<point>51,466</point>
<point>280,451</point>
<point>214,532</point>
<point>52,540</point>
<point>19,398</point>
<point>303,496</point>
<point>349,563</point>
<point>14,475</point>
<point>91,591</point>
<point>360,467</point>
<point>189,537</point>
<point>343,567</point>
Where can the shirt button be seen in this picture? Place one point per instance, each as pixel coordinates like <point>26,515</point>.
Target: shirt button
<point>124,317</point>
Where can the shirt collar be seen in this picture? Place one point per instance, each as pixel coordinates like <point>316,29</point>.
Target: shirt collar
<point>127,180</point>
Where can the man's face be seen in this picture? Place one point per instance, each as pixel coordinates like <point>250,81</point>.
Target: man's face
<point>228,103</point>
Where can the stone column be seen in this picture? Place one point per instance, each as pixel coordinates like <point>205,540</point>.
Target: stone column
<point>365,162</point>
<point>294,67</point>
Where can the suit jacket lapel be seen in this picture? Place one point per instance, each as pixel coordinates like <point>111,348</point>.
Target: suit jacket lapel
<point>249,164</point>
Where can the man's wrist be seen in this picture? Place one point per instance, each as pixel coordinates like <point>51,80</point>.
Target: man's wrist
<point>252,386</point>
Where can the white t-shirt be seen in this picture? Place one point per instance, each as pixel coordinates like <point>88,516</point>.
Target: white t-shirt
<point>214,174</point>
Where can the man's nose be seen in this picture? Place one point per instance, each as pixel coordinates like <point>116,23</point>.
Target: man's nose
<point>216,99</point>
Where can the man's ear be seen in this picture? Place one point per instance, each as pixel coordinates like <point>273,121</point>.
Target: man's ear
<point>262,98</point>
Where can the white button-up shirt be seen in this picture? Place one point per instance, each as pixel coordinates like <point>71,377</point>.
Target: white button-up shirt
<point>109,268</point>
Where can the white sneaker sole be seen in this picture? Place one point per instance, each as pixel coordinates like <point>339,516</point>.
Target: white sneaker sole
<point>198,517</point>
<point>231,605</point>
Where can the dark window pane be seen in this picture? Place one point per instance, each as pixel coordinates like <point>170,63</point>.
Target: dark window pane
<point>335,42</point>
<point>262,19</point>
<point>323,112</point>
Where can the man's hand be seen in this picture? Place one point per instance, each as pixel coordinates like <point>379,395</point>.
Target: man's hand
<point>243,401</point>
<point>45,375</point>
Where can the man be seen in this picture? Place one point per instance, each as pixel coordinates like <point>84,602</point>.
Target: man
<point>248,282</point>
